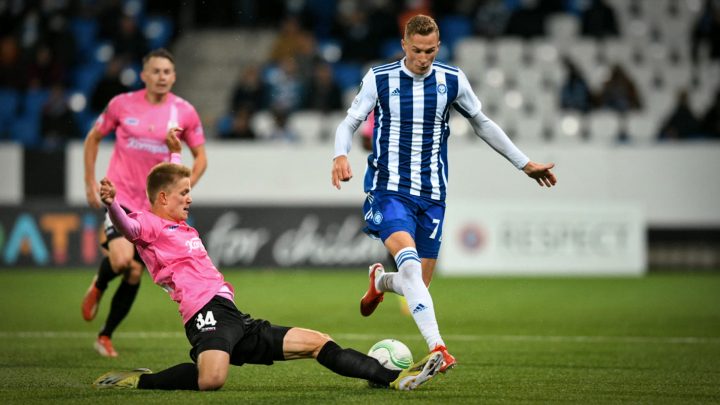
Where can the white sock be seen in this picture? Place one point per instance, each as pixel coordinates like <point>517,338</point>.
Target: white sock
<point>419,301</point>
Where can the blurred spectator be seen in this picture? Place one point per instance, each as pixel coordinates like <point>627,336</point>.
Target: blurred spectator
<point>128,41</point>
<point>108,13</point>
<point>43,70</point>
<point>293,42</point>
<point>599,21</point>
<point>526,21</point>
<point>491,18</point>
<point>109,86</point>
<point>57,121</point>
<point>60,39</point>
<point>357,38</point>
<point>412,8</point>
<point>575,93</point>
<point>285,86</point>
<point>249,90</point>
<point>324,94</point>
<point>711,119</point>
<point>707,29</point>
<point>11,74</point>
<point>240,128</point>
<point>619,92</point>
<point>682,123</point>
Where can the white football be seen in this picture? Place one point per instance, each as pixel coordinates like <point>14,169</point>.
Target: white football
<point>392,354</point>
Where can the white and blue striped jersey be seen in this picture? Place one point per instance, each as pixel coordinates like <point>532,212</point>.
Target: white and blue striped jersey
<point>411,129</point>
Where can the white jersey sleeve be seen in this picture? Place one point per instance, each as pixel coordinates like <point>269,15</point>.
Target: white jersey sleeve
<point>362,105</point>
<point>466,103</point>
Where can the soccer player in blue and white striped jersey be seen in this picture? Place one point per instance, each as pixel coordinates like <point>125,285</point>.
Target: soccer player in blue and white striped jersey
<point>406,175</point>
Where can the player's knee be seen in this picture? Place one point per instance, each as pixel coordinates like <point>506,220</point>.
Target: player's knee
<point>211,381</point>
<point>121,264</point>
<point>320,340</point>
<point>134,274</point>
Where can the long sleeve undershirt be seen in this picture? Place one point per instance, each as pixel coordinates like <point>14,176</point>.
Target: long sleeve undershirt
<point>483,126</point>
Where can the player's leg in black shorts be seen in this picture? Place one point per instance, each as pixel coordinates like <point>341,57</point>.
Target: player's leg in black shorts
<point>219,325</point>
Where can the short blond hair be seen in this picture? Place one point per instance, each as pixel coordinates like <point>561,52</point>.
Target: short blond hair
<point>421,24</point>
<point>162,176</point>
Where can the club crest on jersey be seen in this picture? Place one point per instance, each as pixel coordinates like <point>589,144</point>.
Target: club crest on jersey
<point>377,218</point>
<point>442,88</point>
<point>132,121</point>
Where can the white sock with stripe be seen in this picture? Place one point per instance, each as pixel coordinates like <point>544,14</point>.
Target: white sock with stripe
<point>419,301</point>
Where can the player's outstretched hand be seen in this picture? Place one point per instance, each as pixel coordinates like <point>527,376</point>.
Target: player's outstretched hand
<point>541,173</point>
<point>172,141</point>
<point>107,191</point>
<point>341,171</point>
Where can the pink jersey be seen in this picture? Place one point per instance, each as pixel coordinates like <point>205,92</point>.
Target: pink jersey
<point>176,259</point>
<point>140,130</point>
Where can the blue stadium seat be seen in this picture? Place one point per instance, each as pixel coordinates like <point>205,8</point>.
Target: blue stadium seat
<point>85,120</point>
<point>158,31</point>
<point>391,49</point>
<point>224,124</point>
<point>347,75</point>
<point>86,76</point>
<point>33,102</point>
<point>26,131</point>
<point>9,101</point>
<point>452,29</point>
<point>85,32</point>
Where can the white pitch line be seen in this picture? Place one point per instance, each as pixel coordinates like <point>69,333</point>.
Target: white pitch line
<point>371,337</point>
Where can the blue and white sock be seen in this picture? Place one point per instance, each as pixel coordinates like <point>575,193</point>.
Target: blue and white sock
<point>419,301</point>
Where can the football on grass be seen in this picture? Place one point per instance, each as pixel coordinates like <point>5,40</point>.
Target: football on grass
<point>392,354</point>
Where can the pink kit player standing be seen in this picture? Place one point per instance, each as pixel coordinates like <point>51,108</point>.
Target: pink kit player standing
<point>141,120</point>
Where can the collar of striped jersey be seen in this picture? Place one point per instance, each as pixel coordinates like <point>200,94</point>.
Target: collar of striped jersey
<point>414,75</point>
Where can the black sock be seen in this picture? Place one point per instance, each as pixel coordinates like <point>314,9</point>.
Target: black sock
<point>121,303</point>
<point>352,363</point>
<point>180,377</point>
<point>105,274</point>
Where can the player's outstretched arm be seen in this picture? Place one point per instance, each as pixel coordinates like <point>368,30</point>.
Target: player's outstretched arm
<point>128,227</point>
<point>541,173</point>
<point>341,171</point>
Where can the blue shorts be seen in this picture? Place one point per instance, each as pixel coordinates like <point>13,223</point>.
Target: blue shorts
<point>388,212</point>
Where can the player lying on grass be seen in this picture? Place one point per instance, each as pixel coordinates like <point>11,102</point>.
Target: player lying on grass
<point>219,333</point>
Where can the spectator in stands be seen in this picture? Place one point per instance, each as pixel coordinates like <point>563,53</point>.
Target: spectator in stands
<point>285,86</point>
<point>491,18</point>
<point>526,21</point>
<point>357,39</point>
<point>250,90</point>
<point>43,70</point>
<point>109,86</point>
<point>599,21</point>
<point>128,41</point>
<point>619,92</point>
<point>711,119</point>
<point>682,123</point>
<point>707,29</point>
<point>57,121</point>
<point>240,128</point>
<point>294,42</point>
<point>575,93</point>
<point>11,75</point>
<point>324,94</point>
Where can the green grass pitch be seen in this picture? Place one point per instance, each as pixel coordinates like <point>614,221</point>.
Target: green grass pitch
<point>648,340</point>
